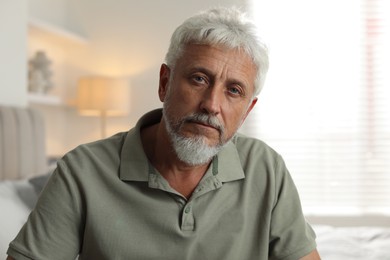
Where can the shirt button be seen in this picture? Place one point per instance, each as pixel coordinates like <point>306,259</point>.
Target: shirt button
<point>187,209</point>
<point>198,189</point>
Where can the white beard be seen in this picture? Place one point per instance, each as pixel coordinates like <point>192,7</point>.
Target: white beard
<point>191,150</point>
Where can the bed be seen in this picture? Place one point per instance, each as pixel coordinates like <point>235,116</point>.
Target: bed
<point>353,243</point>
<point>25,169</point>
<point>17,198</point>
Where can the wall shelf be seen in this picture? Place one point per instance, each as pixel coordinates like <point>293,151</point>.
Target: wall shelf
<point>55,41</point>
<point>44,99</point>
<point>53,31</point>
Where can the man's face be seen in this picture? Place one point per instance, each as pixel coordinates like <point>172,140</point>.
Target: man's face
<point>214,83</point>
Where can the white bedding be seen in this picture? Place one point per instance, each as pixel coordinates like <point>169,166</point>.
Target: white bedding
<point>353,243</point>
<point>334,243</point>
<point>16,201</point>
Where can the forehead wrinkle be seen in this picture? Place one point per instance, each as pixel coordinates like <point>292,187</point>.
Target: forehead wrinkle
<point>221,65</point>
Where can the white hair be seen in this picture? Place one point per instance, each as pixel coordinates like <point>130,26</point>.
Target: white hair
<point>221,26</point>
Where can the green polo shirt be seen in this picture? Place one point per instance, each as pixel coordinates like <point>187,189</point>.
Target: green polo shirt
<point>106,201</point>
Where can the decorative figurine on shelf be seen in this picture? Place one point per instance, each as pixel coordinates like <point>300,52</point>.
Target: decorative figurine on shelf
<point>39,73</point>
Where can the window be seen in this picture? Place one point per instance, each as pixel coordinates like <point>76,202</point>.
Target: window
<point>325,106</point>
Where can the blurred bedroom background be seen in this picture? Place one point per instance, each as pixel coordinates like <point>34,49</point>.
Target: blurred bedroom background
<point>325,106</point>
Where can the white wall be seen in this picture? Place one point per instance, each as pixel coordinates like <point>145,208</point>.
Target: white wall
<point>13,14</point>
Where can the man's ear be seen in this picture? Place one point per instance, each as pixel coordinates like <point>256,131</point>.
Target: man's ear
<point>250,107</point>
<point>165,72</point>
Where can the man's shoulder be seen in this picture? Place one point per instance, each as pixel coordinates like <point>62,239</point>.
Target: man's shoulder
<point>249,144</point>
<point>89,160</point>
<point>98,149</point>
<point>256,153</point>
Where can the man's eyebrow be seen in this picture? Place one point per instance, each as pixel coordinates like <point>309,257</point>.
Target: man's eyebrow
<point>201,69</point>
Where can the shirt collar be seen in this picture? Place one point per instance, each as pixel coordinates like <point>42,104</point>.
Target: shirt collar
<point>135,165</point>
<point>229,164</point>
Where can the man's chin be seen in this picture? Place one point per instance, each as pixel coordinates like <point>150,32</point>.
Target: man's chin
<point>194,150</point>
<point>211,142</point>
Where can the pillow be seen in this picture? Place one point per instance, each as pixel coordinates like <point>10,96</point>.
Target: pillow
<point>39,182</point>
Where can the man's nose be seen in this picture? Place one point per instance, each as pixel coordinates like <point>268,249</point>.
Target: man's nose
<point>212,101</point>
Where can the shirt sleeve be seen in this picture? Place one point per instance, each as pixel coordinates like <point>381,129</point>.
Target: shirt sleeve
<point>291,237</point>
<point>53,229</point>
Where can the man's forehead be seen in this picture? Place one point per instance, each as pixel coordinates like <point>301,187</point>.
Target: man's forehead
<point>218,59</point>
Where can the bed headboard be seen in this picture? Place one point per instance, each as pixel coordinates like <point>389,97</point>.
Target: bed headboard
<point>22,143</point>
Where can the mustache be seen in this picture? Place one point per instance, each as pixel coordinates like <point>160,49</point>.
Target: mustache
<point>205,119</point>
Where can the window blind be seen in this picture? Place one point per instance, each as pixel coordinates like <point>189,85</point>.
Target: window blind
<point>326,103</point>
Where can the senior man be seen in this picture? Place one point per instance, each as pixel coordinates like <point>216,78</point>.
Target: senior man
<point>182,184</point>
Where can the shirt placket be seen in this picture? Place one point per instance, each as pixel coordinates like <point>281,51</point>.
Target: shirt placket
<point>209,183</point>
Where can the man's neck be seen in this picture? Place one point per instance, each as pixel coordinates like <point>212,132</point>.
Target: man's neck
<point>182,177</point>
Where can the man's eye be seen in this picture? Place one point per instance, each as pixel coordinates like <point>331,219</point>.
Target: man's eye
<point>235,91</point>
<point>199,79</point>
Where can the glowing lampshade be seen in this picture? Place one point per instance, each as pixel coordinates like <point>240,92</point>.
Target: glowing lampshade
<point>103,96</point>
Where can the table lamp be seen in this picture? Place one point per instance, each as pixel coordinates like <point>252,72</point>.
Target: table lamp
<point>104,97</point>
